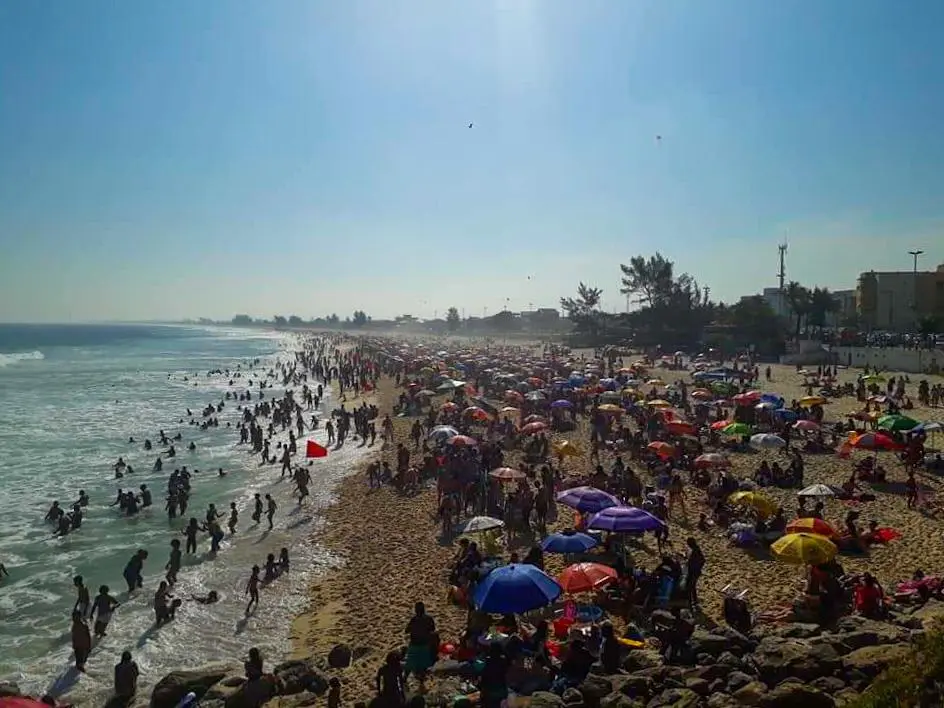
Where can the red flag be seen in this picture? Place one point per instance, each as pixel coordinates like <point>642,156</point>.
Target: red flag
<point>313,449</point>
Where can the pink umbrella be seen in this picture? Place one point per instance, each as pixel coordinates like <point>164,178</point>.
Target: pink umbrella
<point>807,426</point>
<point>463,441</point>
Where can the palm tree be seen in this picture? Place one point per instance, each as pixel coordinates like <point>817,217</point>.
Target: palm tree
<point>798,298</point>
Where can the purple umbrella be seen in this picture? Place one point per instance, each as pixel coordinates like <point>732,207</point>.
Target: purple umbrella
<point>562,403</point>
<point>625,519</point>
<point>587,500</point>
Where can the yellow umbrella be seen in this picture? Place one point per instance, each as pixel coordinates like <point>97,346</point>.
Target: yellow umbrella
<point>808,401</point>
<point>761,504</point>
<point>566,449</point>
<point>655,382</point>
<point>804,549</point>
<point>610,408</point>
<point>659,403</point>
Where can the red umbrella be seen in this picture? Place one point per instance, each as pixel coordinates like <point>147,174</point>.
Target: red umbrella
<point>463,441</point>
<point>662,449</point>
<point>586,577</point>
<point>712,459</point>
<point>678,427</point>
<point>811,524</point>
<point>532,428</point>
<point>875,441</point>
<point>313,449</point>
<point>720,424</point>
<point>20,702</point>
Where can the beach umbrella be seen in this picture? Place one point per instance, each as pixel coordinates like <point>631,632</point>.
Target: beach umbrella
<point>568,542</point>
<point>786,414</point>
<point>533,428</point>
<point>448,406</point>
<point>816,490</point>
<point>806,426</point>
<point>442,432</point>
<point>874,441</point>
<point>21,702</point>
<point>767,441</point>
<point>808,401</point>
<point>627,519</point>
<point>534,419</point>
<point>804,549</point>
<point>586,577</point>
<point>896,422</point>
<point>426,392</point>
<point>510,409</point>
<point>736,429</point>
<point>928,427</point>
<point>720,424</point>
<point>610,396</point>
<point>478,524</point>
<point>655,382</point>
<point>463,441</point>
<point>679,427</point>
<point>873,378</point>
<point>475,413</point>
<point>662,449</point>
<point>609,408</point>
<point>562,403</point>
<point>514,589</point>
<point>536,397</point>
<point>712,459</point>
<point>811,524</point>
<point>658,403</point>
<point>587,500</point>
<point>507,474</point>
<point>755,500</point>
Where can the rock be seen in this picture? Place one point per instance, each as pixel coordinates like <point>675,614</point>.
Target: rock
<point>717,686</point>
<point>572,697</point>
<point>223,689</point>
<point>729,659</point>
<point>8,689</point>
<point>871,661</point>
<point>798,630</point>
<point>698,685</point>
<point>858,680</point>
<point>850,641</point>
<point>703,642</point>
<point>340,656</point>
<point>636,686</point>
<point>618,700</point>
<point>750,694</point>
<point>449,667</point>
<point>828,684</point>
<point>777,659</point>
<point>796,695</point>
<point>721,700</point>
<point>642,659</point>
<point>546,699</point>
<point>297,676</point>
<point>708,673</point>
<point>254,694</point>
<point>930,613</point>
<point>177,684</point>
<point>594,688</point>
<point>675,698</point>
<point>738,679</point>
<point>845,696</point>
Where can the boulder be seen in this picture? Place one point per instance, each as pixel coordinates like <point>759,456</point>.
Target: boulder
<point>340,656</point>
<point>750,694</point>
<point>8,689</point>
<point>708,673</point>
<point>223,689</point>
<point>573,698</point>
<point>594,688</point>
<point>642,659</point>
<point>738,679</point>
<point>930,613</point>
<point>730,660</point>
<point>675,698</point>
<point>254,694</point>
<point>777,659</point>
<point>720,699</point>
<point>796,695</point>
<point>845,696</point>
<point>300,675</point>
<point>636,686</point>
<point>828,684</point>
<point>177,684</point>
<point>618,700</point>
<point>703,642</point>
<point>871,661</point>
<point>798,630</point>
<point>698,685</point>
<point>546,699</point>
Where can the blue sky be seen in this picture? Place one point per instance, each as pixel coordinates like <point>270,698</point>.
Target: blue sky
<point>173,158</point>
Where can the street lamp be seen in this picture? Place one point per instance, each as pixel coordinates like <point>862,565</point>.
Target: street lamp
<point>914,304</point>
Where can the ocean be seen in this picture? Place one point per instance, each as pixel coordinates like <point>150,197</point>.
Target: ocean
<point>70,398</point>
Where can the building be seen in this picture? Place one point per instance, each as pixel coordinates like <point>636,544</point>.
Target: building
<point>846,307</point>
<point>896,301</point>
<point>777,301</point>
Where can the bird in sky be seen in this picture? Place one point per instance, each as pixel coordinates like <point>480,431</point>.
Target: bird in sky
<point>470,125</point>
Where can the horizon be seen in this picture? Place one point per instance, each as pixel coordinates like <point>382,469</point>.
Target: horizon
<point>177,160</point>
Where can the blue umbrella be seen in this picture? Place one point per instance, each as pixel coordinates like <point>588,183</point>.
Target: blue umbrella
<point>568,543</point>
<point>787,414</point>
<point>562,403</point>
<point>626,519</point>
<point>588,500</point>
<point>513,589</point>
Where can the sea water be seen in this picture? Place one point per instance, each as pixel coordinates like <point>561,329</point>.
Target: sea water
<point>70,398</point>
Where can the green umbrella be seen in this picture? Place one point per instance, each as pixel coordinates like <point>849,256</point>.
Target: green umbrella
<point>896,422</point>
<point>737,429</point>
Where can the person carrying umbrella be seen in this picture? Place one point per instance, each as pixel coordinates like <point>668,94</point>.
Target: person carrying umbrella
<point>421,652</point>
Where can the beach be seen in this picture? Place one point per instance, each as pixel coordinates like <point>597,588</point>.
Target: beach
<point>392,555</point>
<point>72,397</point>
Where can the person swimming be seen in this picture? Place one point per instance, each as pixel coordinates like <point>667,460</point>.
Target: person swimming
<point>209,599</point>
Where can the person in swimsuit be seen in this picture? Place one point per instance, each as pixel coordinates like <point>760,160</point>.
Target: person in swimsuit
<point>83,601</point>
<point>270,509</point>
<point>252,589</point>
<point>132,571</point>
<point>173,564</point>
<point>160,603</point>
<point>233,518</point>
<point>257,511</point>
<point>81,640</point>
<point>193,528</point>
<point>102,610</point>
<point>210,598</point>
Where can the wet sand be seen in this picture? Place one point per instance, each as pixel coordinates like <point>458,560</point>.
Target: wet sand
<point>393,557</point>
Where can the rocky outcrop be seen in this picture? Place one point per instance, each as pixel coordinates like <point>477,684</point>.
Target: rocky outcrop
<point>172,688</point>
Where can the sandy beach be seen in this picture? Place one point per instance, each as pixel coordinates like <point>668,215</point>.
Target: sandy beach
<point>392,556</point>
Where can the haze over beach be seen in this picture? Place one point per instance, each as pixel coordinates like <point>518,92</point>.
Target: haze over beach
<point>298,299</point>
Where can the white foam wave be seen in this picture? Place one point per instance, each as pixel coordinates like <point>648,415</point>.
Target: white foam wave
<point>8,359</point>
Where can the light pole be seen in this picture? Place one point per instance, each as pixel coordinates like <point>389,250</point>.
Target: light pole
<point>914,272</point>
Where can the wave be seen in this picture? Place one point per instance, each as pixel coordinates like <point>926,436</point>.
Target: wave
<point>8,359</point>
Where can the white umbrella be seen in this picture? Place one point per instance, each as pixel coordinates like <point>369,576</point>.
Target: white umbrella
<point>767,441</point>
<point>480,523</point>
<point>443,431</point>
<point>816,490</point>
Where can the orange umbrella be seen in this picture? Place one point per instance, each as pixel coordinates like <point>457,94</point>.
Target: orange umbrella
<point>448,406</point>
<point>475,413</point>
<point>662,449</point>
<point>720,424</point>
<point>812,525</point>
<point>586,577</point>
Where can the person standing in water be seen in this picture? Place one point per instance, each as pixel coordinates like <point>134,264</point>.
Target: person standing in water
<point>252,589</point>
<point>173,564</point>
<point>83,601</point>
<point>132,571</point>
<point>81,640</point>
<point>102,610</point>
<point>270,509</point>
<point>257,510</point>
